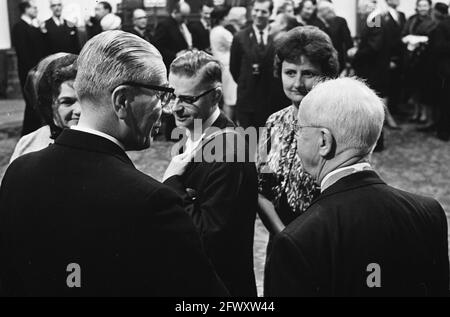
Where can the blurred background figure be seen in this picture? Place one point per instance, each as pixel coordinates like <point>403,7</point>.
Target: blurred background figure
<point>50,89</point>
<point>111,22</point>
<point>337,28</point>
<point>441,51</point>
<point>221,40</point>
<point>306,12</point>
<point>28,41</point>
<point>140,23</point>
<point>200,29</point>
<point>61,35</point>
<point>419,72</point>
<point>237,19</point>
<point>172,37</point>
<point>93,26</point>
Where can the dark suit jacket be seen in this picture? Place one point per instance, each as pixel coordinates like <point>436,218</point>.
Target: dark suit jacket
<point>253,92</point>
<point>62,38</point>
<point>82,201</point>
<point>372,60</point>
<point>355,222</point>
<point>169,40</point>
<point>29,44</point>
<point>147,36</point>
<point>221,198</point>
<point>440,48</point>
<point>395,30</point>
<point>341,37</point>
<point>200,35</point>
<point>93,29</point>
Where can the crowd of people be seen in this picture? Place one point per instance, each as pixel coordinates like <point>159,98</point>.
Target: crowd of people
<point>71,195</point>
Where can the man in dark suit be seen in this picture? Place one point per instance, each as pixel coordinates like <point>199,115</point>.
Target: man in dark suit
<point>440,46</point>
<point>213,174</point>
<point>140,21</point>
<point>77,218</point>
<point>172,34</point>
<point>251,65</point>
<point>93,26</point>
<point>28,41</point>
<point>395,25</point>
<point>360,237</point>
<point>200,29</point>
<point>61,36</point>
<point>336,27</point>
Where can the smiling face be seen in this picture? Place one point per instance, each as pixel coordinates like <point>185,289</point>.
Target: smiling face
<point>299,78</point>
<point>185,113</point>
<point>261,14</point>
<point>66,110</point>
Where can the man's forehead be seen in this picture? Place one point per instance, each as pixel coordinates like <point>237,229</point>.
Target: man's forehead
<point>186,85</point>
<point>262,5</point>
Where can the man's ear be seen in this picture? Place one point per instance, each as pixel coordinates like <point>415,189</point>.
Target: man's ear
<point>121,101</point>
<point>327,144</point>
<point>217,95</point>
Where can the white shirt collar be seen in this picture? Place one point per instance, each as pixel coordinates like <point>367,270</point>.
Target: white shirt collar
<point>205,24</point>
<point>27,19</point>
<point>358,167</point>
<point>394,13</point>
<point>191,144</point>
<point>58,21</point>
<point>265,33</point>
<point>100,134</point>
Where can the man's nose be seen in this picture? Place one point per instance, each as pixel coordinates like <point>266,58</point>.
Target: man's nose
<point>178,107</point>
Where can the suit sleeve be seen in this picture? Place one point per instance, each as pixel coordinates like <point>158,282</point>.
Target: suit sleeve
<point>180,248</point>
<point>235,58</point>
<point>288,272</point>
<point>443,266</point>
<point>348,41</point>
<point>441,43</point>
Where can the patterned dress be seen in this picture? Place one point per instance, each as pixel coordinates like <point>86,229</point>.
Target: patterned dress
<point>281,177</point>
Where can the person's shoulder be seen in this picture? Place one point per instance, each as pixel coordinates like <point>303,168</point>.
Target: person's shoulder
<point>32,142</point>
<point>279,115</point>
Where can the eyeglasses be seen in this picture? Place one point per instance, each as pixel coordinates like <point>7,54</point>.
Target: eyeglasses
<point>298,128</point>
<point>164,93</point>
<point>191,100</point>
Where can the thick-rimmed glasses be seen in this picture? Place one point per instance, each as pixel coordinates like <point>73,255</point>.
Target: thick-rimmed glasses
<point>164,93</point>
<point>191,100</point>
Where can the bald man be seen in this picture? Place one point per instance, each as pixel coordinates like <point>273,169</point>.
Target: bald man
<point>360,237</point>
<point>140,23</point>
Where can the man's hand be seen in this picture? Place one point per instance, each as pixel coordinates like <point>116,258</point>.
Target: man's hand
<point>177,165</point>
<point>352,52</point>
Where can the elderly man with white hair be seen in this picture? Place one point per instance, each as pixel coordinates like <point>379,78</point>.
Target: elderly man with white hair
<point>361,237</point>
<point>77,218</point>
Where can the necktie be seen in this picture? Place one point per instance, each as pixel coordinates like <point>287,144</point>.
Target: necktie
<point>261,39</point>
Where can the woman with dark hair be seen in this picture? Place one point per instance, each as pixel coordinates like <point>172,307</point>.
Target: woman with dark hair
<point>50,86</point>
<point>416,35</point>
<point>221,39</point>
<point>303,56</point>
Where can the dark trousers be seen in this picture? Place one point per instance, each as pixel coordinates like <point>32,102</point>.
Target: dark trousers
<point>443,123</point>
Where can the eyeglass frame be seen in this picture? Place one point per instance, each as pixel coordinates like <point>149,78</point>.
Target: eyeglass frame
<point>165,89</point>
<point>193,99</point>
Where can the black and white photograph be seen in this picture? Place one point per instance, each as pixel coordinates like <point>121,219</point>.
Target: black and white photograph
<point>224,155</point>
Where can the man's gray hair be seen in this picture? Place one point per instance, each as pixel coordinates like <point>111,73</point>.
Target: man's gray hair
<point>113,57</point>
<point>350,109</point>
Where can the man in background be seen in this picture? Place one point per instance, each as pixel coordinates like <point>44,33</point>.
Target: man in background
<point>93,26</point>
<point>251,65</point>
<point>200,29</point>
<point>28,41</point>
<point>140,22</point>
<point>61,35</point>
